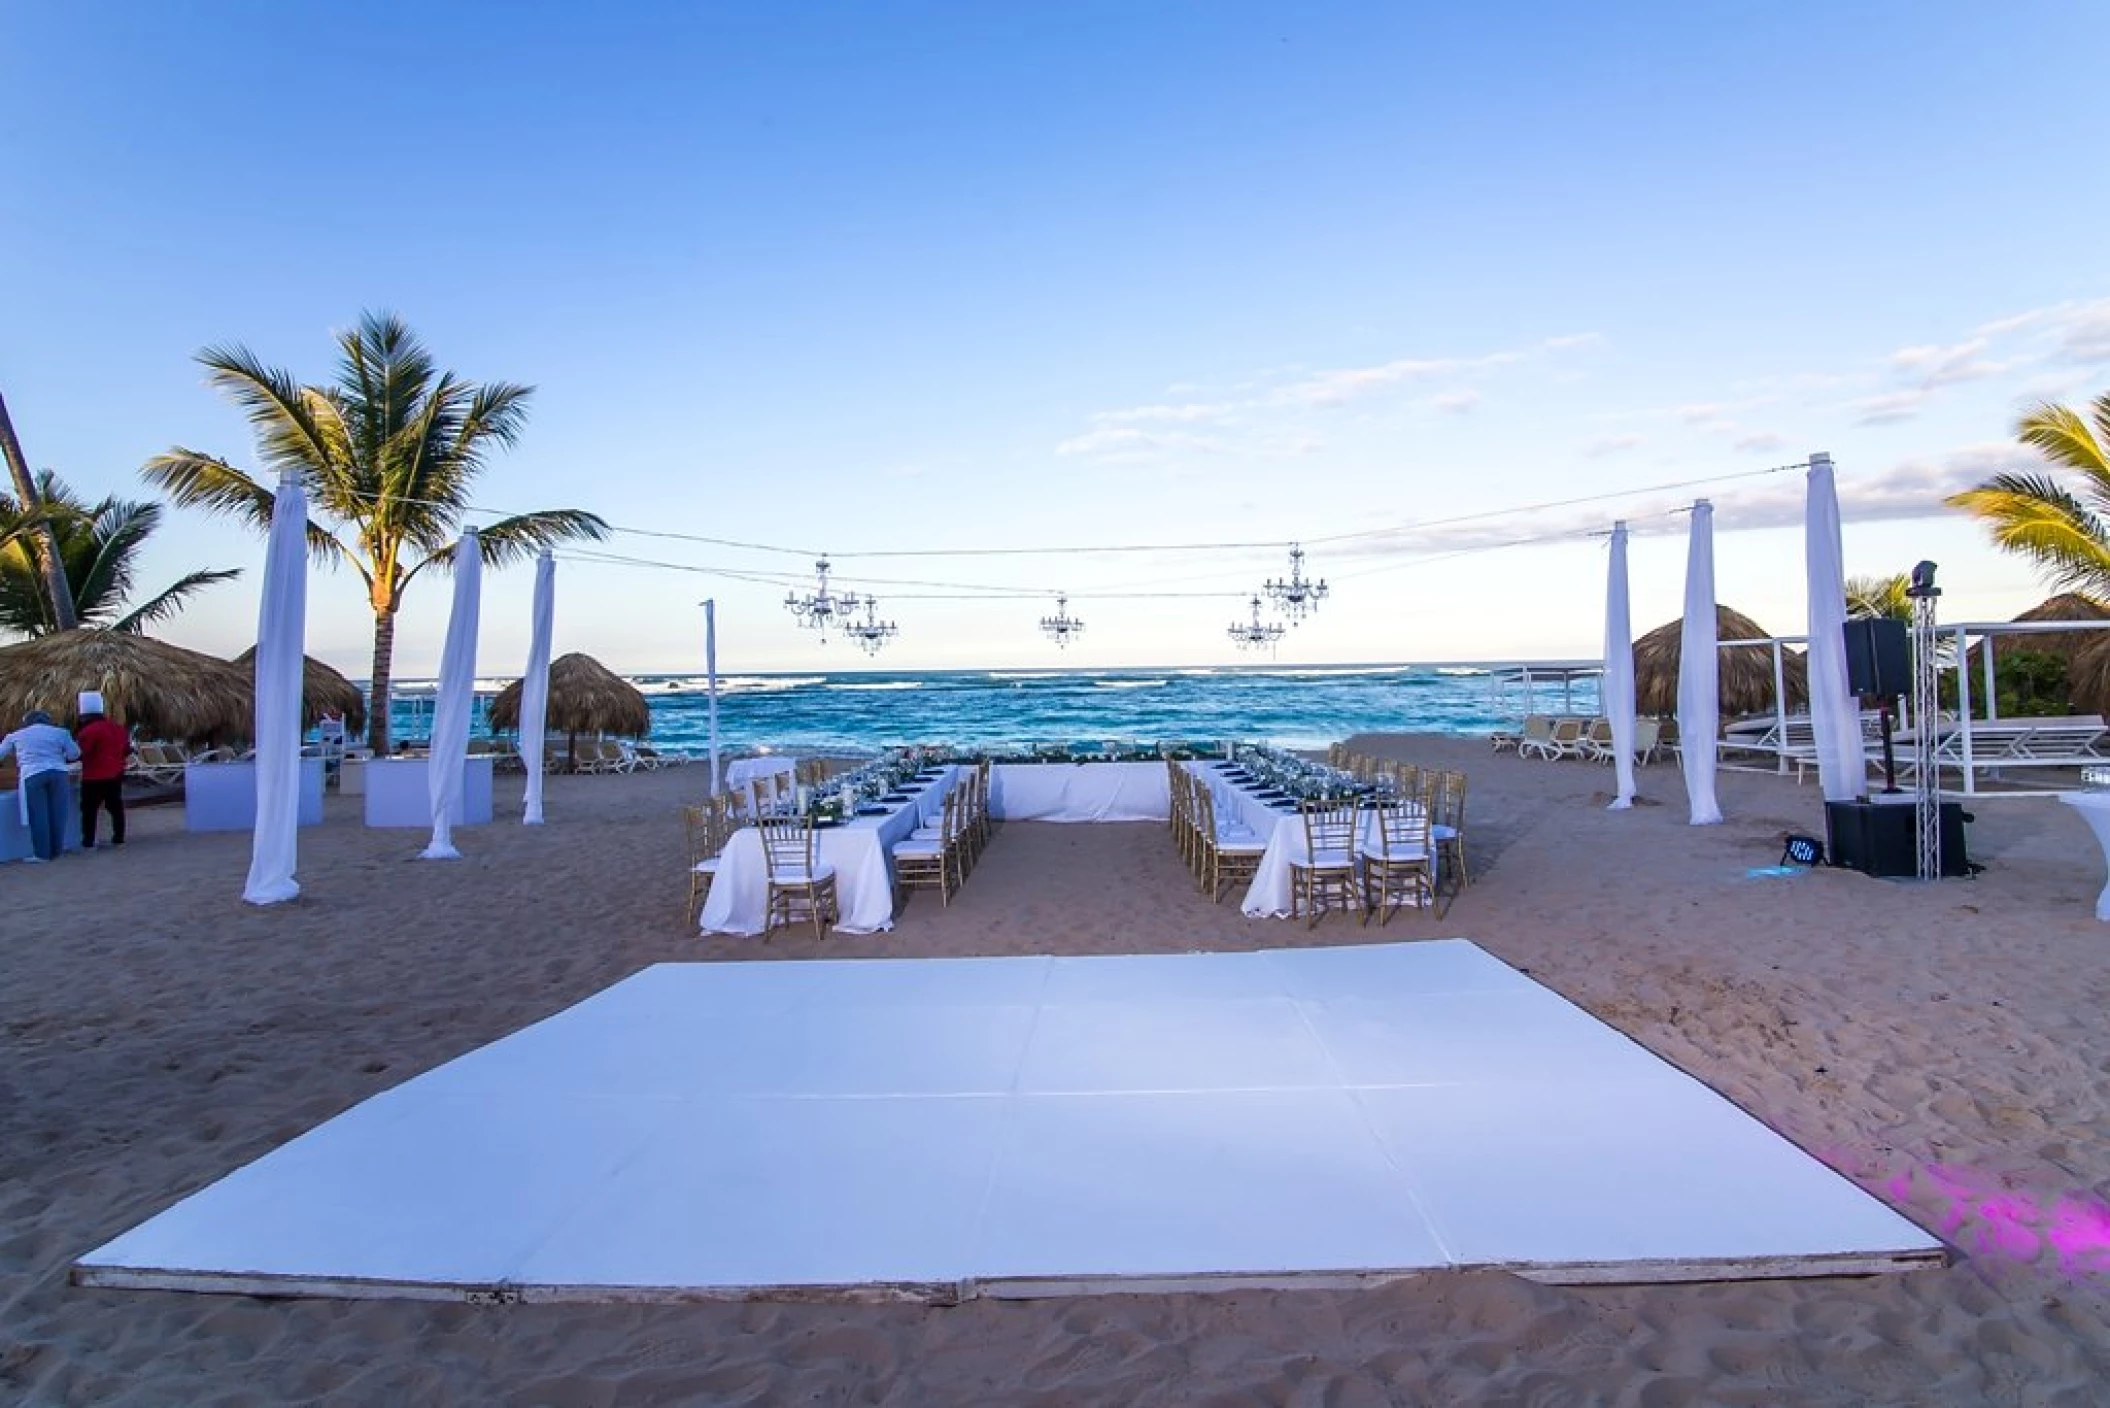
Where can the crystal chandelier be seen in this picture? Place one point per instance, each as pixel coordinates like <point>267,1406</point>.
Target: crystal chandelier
<point>822,608</point>
<point>1299,594</point>
<point>1251,635</point>
<point>1062,627</point>
<point>872,634</point>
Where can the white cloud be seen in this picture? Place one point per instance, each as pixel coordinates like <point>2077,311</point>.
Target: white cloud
<point>1278,394</point>
<point>1888,409</point>
<point>1759,440</point>
<point>1933,365</point>
<point>1611,445</point>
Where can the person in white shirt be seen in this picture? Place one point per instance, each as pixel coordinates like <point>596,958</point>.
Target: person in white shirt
<point>42,750</point>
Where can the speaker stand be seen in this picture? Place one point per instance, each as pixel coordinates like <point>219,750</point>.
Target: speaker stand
<point>1890,757</point>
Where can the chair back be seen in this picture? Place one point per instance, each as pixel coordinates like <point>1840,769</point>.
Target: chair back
<point>1538,727</point>
<point>1202,805</point>
<point>1600,732</point>
<point>702,827</point>
<point>1447,799</point>
<point>1403,828</point>
<point>787,846</point>
<point>1329,827</point>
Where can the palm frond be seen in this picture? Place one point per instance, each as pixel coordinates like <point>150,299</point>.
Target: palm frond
<point>197,480</point>
<point>522,536</point>
<point>278,408</point>
<point>171,600</point>
<point>2036,517</point>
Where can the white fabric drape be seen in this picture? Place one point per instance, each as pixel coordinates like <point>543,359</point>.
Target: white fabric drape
<point>1835,716</point>
<point>450,715</point>
<point>710,667</point>
<point>1619,671</point>
<point>534,686</point>
<point>1699,664</point>
<point>281,643</point>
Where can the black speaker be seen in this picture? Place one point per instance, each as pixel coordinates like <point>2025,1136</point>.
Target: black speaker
<point>1877,658</point>
<point>1878,838</point>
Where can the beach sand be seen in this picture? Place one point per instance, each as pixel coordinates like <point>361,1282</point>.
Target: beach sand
<point>1945,1046</point>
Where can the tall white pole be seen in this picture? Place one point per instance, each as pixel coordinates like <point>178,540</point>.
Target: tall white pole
<point>710,667</point>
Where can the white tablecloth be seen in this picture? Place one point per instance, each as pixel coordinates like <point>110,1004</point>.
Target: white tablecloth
<point>14,832</point>
<point>858,849</point>
<point>2094,808</point>
<point>222,796</point>
<point>398,792</point>
<point>1079,792</point>
<point>1272,895</point>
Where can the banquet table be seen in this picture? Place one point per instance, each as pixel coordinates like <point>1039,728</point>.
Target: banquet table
<point>1064,791</point>
<point>2094,808</point>
<point>14,832</point>
<point>222,796</point>
<point>1272,895</point>
<point>858,849</point>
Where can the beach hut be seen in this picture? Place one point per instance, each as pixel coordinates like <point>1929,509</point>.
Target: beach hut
<point>1746,678</point>
<point>585,696</point>
<point>161,690</point>
<point>320,688</point>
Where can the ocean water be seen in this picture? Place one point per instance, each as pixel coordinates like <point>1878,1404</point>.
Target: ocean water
<point>1295,707</point>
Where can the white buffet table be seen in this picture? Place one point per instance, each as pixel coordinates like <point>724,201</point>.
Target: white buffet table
<point>398,792</point>
<point>222,796</point>
<point>14,832</point>
<point>2094,808</point>
<point>858,849</point>
<point>1079,792</point>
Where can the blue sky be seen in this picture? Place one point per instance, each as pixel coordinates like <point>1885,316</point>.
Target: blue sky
<point>853,278</point>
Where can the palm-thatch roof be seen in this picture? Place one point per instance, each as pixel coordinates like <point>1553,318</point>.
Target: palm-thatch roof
<point>2067,606</point>
<point>585,696</point>
<point>320,688</point>
<point>161,690</point>
<point>1746,679</point>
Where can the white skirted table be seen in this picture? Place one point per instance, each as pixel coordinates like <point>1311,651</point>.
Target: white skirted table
<point>1272,894</point>
<point>399,794</point>
<point>858,849</point>
<point>222,796</point>
<point>1079,792</point>
<point>2094,808</point>
<point>14,832</point>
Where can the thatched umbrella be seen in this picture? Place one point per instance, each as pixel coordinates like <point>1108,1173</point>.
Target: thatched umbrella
<point>320,688</point>
<point>2067,606</point>
<point>585,696</point>
<point>162,690</point>
<point>1746,678</point>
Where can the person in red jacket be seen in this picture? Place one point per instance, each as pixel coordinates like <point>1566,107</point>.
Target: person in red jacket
<point>104,747</point>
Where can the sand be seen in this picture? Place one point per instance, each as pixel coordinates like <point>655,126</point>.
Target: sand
<point>1943,1045</point>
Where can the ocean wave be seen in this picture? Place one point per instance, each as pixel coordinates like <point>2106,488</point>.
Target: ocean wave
<point>1128,684</point>
<point>767,684</point>
<point>889,685</point>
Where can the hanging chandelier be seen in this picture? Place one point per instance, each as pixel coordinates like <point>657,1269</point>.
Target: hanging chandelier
<point>1299,593</point>
<point>1062,627</point>
<point>821,608</point>
<point>1251,635</point>
<point>872,634</point>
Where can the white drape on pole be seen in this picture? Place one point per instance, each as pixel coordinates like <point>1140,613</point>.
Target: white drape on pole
<point>710,667</point>
<point>1619,671</point>
<point>1835,716</point>
<point>534,685</point>
<point>447,756</point>
<point>281,642</point>
<point>1699,665</point>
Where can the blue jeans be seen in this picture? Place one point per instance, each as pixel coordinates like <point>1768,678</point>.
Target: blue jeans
<point>49,800</point>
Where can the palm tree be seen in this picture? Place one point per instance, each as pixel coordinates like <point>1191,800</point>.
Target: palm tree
<point>2064,532</point>
<point>98,549</point>
<point>1880,597</point>
<point>389,452</point>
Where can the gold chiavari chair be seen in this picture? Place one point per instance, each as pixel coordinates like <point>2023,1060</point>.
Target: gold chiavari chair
<point>1447,827</point>
<point>705,838</point>
<point>801,886</point>
<point>1396,857</point>
<point>1230,854</point>
<point>1327,871</point>
<point>1336,754</point>
<point>924,861</point>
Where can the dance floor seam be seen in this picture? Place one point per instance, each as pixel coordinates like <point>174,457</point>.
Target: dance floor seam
<point>949,1127</point>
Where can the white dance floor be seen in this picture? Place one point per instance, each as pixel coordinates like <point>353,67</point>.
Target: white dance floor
<point>944,1128</point>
